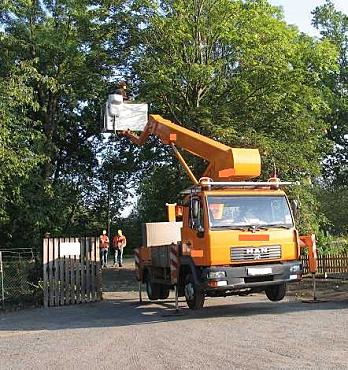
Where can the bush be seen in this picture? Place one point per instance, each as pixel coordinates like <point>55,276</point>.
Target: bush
<point>328,244</point>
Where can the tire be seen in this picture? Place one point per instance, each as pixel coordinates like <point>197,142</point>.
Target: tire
<point>153,290</point>
<point>164,292</point>
<point>194,296</point>
<point>276,293</point>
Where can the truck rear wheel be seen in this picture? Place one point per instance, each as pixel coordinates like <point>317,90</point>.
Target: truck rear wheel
<point>194,296</point>
<point>276,292</point>
<point>153,290</point>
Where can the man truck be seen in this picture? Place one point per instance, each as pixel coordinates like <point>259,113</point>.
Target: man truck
<point>228,236</point>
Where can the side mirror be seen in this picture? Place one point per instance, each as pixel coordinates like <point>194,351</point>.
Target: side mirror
<point>200,231</point>
<point>295,207</point>
<point>195,208</point>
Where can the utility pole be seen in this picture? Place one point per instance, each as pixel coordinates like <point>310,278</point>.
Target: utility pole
<point>109,211</point>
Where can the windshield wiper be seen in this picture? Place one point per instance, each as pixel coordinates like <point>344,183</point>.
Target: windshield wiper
<point>257,227</point>
<point>251,227</point>
<point>282,226</point>
<point>242,228</point>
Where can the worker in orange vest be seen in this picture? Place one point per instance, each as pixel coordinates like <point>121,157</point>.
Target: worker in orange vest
<point>119,242</point>
<point>104,248</point>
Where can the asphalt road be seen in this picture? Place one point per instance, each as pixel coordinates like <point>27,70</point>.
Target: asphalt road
<point>228,333</point>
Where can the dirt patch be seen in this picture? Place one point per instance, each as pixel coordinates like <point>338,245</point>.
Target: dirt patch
<point>325,289</point>
<point>120,279</point>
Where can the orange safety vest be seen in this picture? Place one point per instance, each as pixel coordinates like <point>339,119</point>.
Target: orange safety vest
<point>104,241</point>
<point>119,241</point>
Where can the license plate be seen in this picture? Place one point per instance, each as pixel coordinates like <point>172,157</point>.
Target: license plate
<point>259,271</point>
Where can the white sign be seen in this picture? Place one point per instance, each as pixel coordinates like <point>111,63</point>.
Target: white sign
<point>70,249</point>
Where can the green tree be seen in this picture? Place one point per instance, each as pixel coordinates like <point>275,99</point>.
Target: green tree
<point>20,143</point>
<point>75,50</point>
<point>334,205</point>
<point>333,27</point>
<point>234,71</point>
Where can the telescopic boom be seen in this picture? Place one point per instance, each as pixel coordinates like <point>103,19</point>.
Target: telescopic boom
<point>225,163</point>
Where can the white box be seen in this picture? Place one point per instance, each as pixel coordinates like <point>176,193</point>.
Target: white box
<point>125,116</point>
<point>161,233</point>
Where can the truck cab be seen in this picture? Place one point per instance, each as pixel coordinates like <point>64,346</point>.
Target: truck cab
<point>239,241</point>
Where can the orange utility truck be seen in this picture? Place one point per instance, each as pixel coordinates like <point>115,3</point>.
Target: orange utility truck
<point>229,236</point>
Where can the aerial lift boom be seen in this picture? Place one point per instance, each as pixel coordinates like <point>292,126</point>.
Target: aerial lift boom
<point>225,163</point>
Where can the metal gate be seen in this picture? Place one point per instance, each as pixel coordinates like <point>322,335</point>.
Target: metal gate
<point>71,271</point>
<point>20,276</point>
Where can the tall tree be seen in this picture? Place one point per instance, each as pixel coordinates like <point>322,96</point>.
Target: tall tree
<point>75,50</point>
<point>20,142</point>
<point>234,70</point>
<point>333,26</point>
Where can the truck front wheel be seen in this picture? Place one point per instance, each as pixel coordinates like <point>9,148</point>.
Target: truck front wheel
<point>194,296</point>
<point>164,292</point>
<point>276,292</point>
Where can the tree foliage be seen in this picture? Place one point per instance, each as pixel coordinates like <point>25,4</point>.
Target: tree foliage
<point>234,71</point>
<point>20,143</point>
<point>70,50</point>
<point>333,27</point>
<point>230,69</point>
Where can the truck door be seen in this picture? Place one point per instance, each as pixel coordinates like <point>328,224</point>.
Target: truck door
<point>194,232</point>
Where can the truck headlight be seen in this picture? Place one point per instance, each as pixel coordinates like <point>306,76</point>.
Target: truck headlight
<point>216,274</point>
<point>295,268</point>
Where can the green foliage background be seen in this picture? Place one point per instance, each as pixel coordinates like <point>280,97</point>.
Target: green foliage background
<point>232,70</point>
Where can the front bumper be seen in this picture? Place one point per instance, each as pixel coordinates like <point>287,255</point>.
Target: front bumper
<point>253,276</point>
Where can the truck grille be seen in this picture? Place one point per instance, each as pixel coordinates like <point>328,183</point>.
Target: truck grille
<point>256,253</point>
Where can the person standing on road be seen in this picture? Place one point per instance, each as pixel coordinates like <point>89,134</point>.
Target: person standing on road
<point>119,242</point>
<point>104,248</point>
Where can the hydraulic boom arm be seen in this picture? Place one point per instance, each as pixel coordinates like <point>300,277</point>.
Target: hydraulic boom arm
<point>225,163</point>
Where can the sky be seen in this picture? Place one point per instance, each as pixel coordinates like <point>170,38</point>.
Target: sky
<point>298,12</point>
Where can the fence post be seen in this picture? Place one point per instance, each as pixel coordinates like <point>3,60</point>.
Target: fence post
<point>45,270</point>
<point>2,282</point>
<point>99,273</point>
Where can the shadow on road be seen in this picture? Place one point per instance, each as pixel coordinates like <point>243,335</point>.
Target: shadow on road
<point>126,312</point>
<point>120,308</point>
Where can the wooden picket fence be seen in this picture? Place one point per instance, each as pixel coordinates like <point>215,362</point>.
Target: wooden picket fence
<point>330,265</point>
<point>71,271</point>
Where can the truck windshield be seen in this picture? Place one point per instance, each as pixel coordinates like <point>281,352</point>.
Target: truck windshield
<point>246,212</point>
